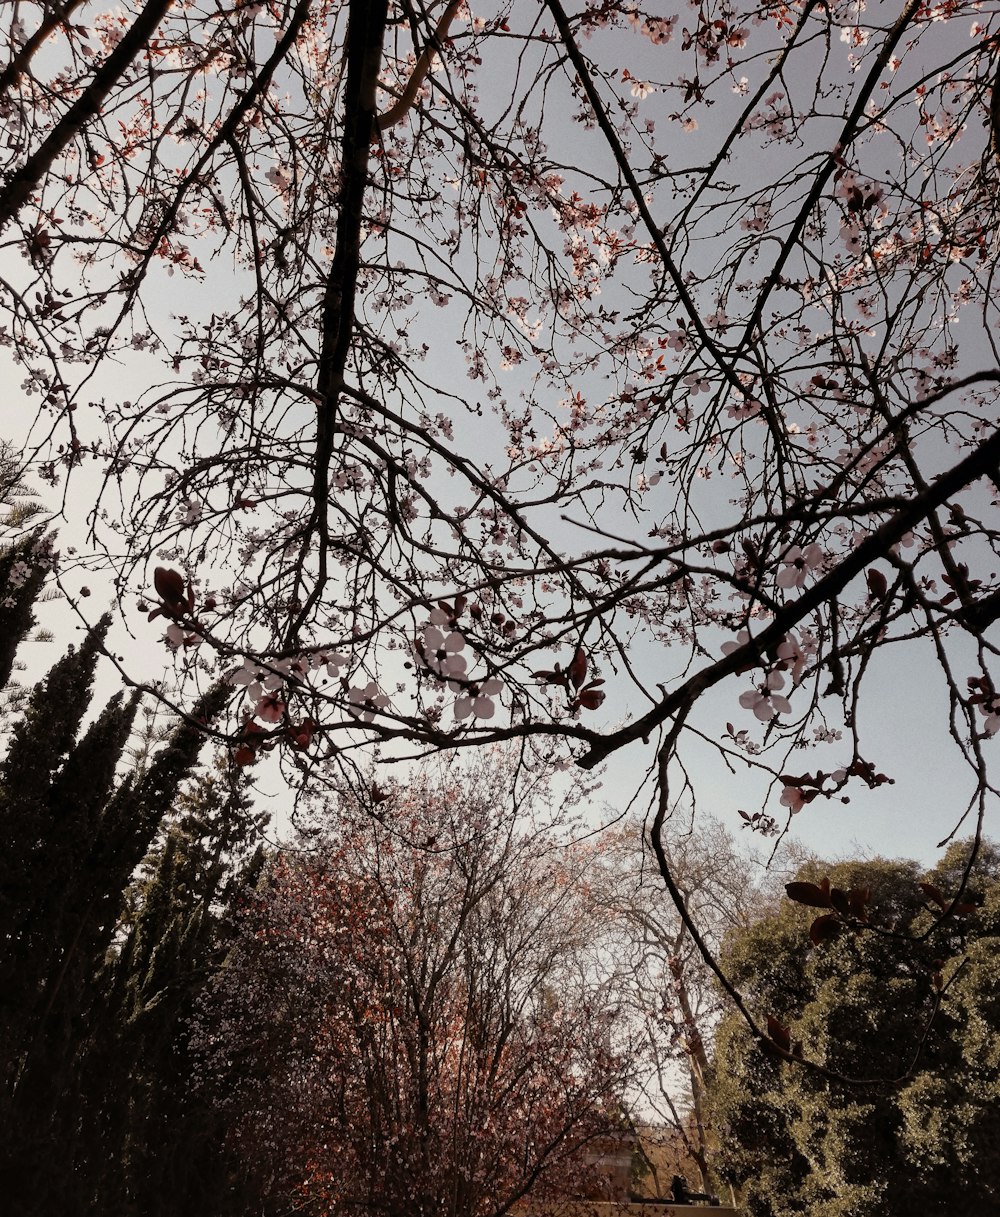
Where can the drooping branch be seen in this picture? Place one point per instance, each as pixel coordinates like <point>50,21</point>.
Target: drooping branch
<point>981,462</point>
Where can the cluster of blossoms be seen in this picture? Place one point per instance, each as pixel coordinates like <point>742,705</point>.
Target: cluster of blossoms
<point>265,686</point>
<point>766,700</point>
<point>439,649</point>
<point>19,574</point>
<point>987,701</point>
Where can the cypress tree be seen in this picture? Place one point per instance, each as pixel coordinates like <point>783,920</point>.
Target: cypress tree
<point>30,834</point>
<point>173,1157</point>
<point>70,842</point>
<point>23,567</point>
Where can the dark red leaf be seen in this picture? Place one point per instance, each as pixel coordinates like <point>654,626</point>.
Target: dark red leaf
<point>591,698</point>
<point>578,668</point>
<point>548,677</point>
<point>840,901</point>
<point>778,1033</point>
<point>877,584</point>
<point>823,929</point>
<point>808,893</point>
<point>169,585</point>
<point>933,893</point>
<point>244,755</point>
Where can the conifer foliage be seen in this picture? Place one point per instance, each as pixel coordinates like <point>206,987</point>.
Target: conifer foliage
<point>92,1003</point>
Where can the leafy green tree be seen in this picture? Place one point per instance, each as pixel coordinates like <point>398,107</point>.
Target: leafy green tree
<point>897,997</point>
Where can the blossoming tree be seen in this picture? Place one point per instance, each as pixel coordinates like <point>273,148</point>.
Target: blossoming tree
<point>406,1024</point>
<point>551,371</point>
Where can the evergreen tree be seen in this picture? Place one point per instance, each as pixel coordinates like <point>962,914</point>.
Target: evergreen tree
<point>37,847</point>
<point>91,1007</point>
<point>23,567</point>
<point>177,929</point>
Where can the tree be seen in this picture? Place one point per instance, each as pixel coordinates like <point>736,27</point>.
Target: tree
<point>665,990</point>
<point>166,1146</point>
<point>646,308</point>
<point>72,832</point>
<point>404,1024</point>
<point>903,997</point>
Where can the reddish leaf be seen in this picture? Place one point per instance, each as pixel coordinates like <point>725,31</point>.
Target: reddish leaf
<point>823,929</point>
<point>169,585</point>
<point>857,899</point>
<point>300,735</point>
<point>244,755</point>
<point>809,893</point>
<point>554,677</point>
<point>840,901</point>
<point>877,584</point>
<point>578,668</point>
<point>590,698</point>
<point>933,893</point>
<point>778,1033</point>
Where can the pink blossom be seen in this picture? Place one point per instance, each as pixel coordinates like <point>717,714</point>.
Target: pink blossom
<point>991,710</point>
<point>793,798</point>
<point>368,702</point>
<point>742,638</point>
<point>481,704</point>
<point>440,652</point>
<point>794,654</point>
<point>279,177</point>
<point>270,708</point>
<point>697,384</point>
<point>748,408</point>
<point>765,701</point>
<point>798,563</point>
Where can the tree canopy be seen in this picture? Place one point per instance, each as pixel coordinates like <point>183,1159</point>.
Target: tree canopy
<point>907,1000</point>
<point>406,1022</point>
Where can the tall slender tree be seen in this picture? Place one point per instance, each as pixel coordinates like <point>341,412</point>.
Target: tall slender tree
<point>71,836</point>
<point>169,1155</point>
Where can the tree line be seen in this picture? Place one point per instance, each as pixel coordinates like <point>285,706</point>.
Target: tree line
<point>437,996</point>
